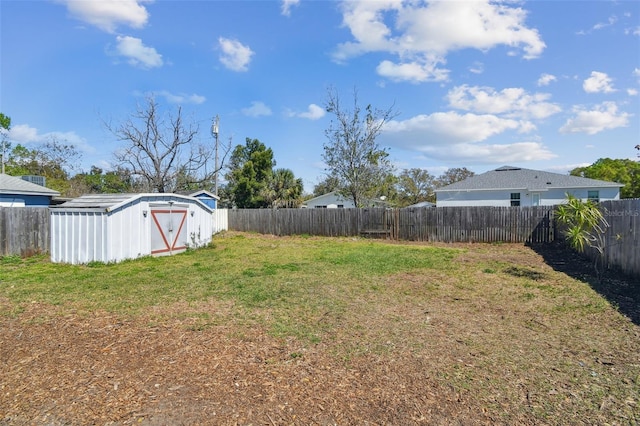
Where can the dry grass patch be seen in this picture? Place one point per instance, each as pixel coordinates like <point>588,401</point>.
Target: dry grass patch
<point>270,330</point>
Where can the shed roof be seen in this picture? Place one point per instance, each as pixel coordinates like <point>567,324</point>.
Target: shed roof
<point>110,202</point>
<point>508,178</point>
<point>204,192</point>
<point>13,185</point>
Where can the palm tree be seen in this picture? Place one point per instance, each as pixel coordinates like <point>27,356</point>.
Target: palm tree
<point>585,227</point>
<point>283,190</point>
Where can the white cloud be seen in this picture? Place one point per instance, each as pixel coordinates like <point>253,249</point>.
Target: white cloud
<point>491,153</point>
<point>414,72</point>
<point>512,102</point>
<point>565,168</point>
<point>603,117</point>
<point>25,135</point>
<point>632,92</point>
<point>600,25</point>
<point>599,82</point>
<point>108,14</point>
<point>257,109</point>
<point>314,112</point>
<point>442,128</point>
<point>181,98</point>
<point>546,79</point>
<point>477,68</point>
<point>461,138</point>
<point>287,5</point>
<point>235,56</point>
<point>137,53</point>
<point>421,34</point>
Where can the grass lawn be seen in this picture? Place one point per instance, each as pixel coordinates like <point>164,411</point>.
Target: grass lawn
<point>303,330</point>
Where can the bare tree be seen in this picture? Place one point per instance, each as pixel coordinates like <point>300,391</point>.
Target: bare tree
<point>352,154</point>
<point>163,151</point>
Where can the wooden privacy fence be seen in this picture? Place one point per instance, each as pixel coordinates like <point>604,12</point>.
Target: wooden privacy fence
<point>477,224</point>
<point>622,239</point>
<point>24,231</point>
<point>446,224</point>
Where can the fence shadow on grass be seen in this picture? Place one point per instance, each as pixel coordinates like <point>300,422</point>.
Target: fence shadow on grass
<point>619,289</point>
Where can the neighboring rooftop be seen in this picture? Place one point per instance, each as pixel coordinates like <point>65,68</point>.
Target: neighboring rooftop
<point>508,177</point>
<point>17,186</point>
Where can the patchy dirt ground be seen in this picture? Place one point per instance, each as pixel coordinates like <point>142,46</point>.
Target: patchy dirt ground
<point>101,370</point>
<point>66,368</point>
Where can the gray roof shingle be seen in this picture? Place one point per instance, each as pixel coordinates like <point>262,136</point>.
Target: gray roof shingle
<point>14,185</point>
<point>508,177</point>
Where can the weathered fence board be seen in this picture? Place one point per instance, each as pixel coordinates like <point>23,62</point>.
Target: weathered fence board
<point>622,239</point>
<point>24,231</point>
<point>447,224</point>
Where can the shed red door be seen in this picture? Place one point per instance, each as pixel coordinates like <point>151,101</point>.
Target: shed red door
<point>168,230</point>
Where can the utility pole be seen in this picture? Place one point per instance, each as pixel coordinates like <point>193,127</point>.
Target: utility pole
<point>214,131</point>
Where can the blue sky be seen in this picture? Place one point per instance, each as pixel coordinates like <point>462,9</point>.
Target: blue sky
<point>547,85</point>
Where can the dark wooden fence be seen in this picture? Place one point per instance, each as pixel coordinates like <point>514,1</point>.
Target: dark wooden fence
<point>446,224</point>
<point>477,224</point>
<point>24,231</point>
<point>622,239</point>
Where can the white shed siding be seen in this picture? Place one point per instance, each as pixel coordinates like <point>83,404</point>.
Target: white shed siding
<point>82,235</point>
<point>126,232</point>
<point>220,220</point>
<point>200,227</point>
<point>502,198</point>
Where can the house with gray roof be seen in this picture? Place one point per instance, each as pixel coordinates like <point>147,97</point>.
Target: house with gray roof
<point>16,192</point>
<point>330,200</point>
<point>515,186</point>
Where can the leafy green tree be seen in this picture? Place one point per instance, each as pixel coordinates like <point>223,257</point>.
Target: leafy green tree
<point>623,171</point>
<point>416,185</point>
<point>283,190</point>
<point>352,154</point>
<point>250,169</point>
<point>585,226</point>
<point>328,184</point>
<point>453,175</point>
<point>5,126</point>
<point>98,182</point>
<point>386,192</point>
<point>52,160</point>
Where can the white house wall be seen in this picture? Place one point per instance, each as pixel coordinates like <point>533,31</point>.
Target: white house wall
<point>330,200</point>
<point>503,198</point>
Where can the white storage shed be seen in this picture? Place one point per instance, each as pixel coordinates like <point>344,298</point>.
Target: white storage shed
<point>114,227</point>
